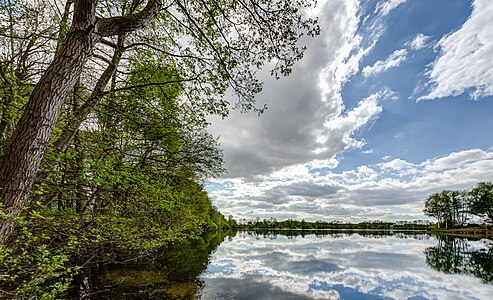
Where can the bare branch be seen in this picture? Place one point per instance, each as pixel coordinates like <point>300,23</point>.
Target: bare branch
<point>153,84</point>
<point>109,43</point>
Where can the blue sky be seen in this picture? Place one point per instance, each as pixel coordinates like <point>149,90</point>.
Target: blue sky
<point>391,103</point>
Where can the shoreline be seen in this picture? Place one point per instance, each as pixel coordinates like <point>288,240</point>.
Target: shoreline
<point>474,232</point>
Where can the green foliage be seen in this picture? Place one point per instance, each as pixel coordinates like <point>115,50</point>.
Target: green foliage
<point>49,246</point>
<point>36,265</point>
<point>125,187</point>
<point>481,200</point>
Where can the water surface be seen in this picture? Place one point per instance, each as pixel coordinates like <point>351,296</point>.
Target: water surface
<point>314,265</point>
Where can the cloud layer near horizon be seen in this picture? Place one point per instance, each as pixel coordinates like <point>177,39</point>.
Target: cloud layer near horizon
<point>392,190</point>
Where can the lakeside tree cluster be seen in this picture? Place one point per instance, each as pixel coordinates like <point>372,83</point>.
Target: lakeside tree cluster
<point>455,208</point>
<point>103,118</point>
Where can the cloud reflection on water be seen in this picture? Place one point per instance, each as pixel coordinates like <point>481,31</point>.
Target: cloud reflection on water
<point>336,266</point>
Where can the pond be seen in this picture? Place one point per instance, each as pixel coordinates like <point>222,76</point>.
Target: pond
<point>307,265</point>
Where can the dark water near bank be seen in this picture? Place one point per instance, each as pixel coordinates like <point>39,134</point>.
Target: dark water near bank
<point>306,265</point>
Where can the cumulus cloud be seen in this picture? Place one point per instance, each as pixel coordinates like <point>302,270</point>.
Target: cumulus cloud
<point>291,130</point>
<point>282,164</point>
<point>342,127</point>
<point>465,64</point>
<point>457,159</point>
<point>394,60</point>
<point>419,42</point>
<point>396,164</point>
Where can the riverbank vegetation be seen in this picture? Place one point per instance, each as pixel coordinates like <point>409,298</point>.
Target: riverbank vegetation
<point>454,209</point>
<point>103,118</point>
<point>173,273</point>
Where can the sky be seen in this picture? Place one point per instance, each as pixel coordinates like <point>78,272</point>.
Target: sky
<point>391,103</point>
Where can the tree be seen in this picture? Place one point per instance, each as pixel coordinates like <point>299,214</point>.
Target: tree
<point>215,45</point>
<point>459,206</point>
<point>434,207</point>
<point>481,200</point>
<point>449,207</point>
<point>33,132</point>
<point>24,45</point>
<point>122,183</point>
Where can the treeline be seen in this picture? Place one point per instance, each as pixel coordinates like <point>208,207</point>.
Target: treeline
<point>295,224</point>
<point>454,209</point>
<point>273,233</point>
<point>103,118</point>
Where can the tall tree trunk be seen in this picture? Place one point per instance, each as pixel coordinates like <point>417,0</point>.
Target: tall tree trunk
<point>79,114</point>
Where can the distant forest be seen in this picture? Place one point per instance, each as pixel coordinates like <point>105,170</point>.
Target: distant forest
<point>295,224</point>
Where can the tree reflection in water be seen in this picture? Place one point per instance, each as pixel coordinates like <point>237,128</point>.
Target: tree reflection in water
<point>310,264</point>
<point>334,233</point>
<point>457,255</point>
<point>174,274</point>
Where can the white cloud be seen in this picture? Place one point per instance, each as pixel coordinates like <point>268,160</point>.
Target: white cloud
<point>419,42</point>
<point>384,7</point>
<point>465,63</point>
<point>394,60</point>
<point>342,127</point>
<point>391,190</point>
<point>282,163</point>
<point>293,131</point>
<point>457,160</point>
<point>396,164</point>
<point>397,57</point>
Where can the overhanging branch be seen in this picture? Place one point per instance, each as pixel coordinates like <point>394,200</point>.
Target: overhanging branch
<point>123,24</point>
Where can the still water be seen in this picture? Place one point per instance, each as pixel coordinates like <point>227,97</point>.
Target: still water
<point>308,265</point>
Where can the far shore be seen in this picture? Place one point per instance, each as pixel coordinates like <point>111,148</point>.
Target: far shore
<point>473,232</point>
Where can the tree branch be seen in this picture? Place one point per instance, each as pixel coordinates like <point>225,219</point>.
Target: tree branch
<point>143,44</point>
<point>153,84</point>
<point>109,43</point>
<point>123,24</point>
